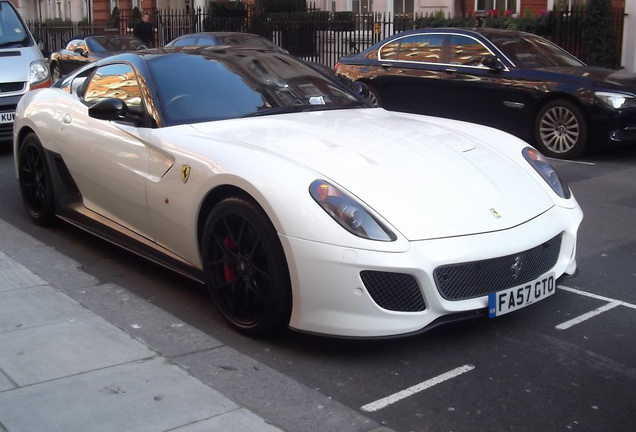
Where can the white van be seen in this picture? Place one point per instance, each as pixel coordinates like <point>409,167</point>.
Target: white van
<point>22,65</point>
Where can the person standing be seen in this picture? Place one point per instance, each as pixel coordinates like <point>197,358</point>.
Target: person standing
<point>144,31</point>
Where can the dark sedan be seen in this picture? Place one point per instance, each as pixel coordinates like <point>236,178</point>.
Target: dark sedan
<point>82,50</point>
<point>510,80</point>
<point>238,39</point>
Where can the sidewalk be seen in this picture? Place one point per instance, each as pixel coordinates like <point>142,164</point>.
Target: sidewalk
<point>65,368</point>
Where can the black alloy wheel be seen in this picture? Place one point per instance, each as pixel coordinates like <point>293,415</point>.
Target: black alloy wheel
<point>245,268</point>
<point>560,130</point>
<point>35,181</point>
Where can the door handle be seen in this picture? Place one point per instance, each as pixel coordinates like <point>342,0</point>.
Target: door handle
<point>450,70</point>
<point>386,66</point>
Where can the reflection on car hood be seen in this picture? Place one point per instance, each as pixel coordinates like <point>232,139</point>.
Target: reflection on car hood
<point>427,181</point>
<point>617,77</point>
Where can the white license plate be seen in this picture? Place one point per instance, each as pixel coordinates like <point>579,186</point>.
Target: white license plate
<point>512,299</point>
<point>7,117</point>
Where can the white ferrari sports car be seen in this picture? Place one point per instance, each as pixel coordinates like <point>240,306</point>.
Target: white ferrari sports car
<point>296,202</point>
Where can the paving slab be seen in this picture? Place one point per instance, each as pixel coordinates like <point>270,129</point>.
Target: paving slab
<point>37,306</point>
<point>143,396</point>
<point>67,348</point>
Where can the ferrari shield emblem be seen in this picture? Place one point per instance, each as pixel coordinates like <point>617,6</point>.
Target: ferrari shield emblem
<point>185,173</point>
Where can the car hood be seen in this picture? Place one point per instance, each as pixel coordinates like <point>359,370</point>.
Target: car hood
<point>427,181</point>
<point>621,78</point>
<point>16,63</point>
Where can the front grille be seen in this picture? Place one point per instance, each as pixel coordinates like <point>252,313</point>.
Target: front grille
<point>394,291</point>
<point>479,278</point>
<point>12,87</point>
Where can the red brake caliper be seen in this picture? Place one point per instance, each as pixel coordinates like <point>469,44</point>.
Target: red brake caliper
<point>228,270</point>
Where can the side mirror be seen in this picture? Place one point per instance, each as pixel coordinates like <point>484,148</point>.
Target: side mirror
<point>113,109</point>
<point>80,51</point>
<point>493,63</point>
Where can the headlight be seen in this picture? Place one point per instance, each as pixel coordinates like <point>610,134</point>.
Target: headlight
<point>348,213</point>
<point>617,100</point>
<point>547,171</point>
<point>39,74</point>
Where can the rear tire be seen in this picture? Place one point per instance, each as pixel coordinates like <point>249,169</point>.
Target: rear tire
<point>560,130</point>
<point>245,268</point>
<point>34,177</point>
<point>374,97</point>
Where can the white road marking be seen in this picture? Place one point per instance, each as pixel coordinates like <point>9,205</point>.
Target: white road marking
<point>586,316</point>
<point>611,304</point>
<point>395,397</point>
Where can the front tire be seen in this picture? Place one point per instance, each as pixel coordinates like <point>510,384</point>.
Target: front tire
<point>560,130</point>
<point>56,74</point>
<point>34,177</point>
<point>245,268</point>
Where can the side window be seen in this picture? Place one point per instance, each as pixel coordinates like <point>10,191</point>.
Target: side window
<point>467,51</point>
<point>416,48</point>
<point>390,51</point>
<point>114,81</point>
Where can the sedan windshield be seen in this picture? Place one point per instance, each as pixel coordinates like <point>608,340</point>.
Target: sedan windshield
<point>530,51</point>
<point>195,88</point>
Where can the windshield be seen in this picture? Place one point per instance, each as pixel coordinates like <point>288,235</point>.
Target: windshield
<point>12,30</point>
<point>530,51</point>
<point>195,88</point>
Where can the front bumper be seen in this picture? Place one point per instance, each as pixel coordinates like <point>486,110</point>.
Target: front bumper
<point>330,296</point>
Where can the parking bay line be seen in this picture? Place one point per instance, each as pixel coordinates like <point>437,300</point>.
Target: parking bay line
<point>611,304</point>
<point>395,397</point>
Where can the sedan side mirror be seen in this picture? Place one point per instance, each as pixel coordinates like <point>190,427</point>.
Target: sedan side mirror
<point>113,109</point>
<point>493,63</point>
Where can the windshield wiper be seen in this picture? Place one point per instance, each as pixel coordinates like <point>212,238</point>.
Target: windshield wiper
<point>288,110</point>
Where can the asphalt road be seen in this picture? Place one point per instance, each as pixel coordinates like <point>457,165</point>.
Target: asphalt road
<point>564,364</point>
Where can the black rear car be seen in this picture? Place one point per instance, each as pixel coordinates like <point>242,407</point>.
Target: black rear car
<point>514,81</point>
<point>82,50</point>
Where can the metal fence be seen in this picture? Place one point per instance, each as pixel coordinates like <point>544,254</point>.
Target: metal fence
<point>314,35</point>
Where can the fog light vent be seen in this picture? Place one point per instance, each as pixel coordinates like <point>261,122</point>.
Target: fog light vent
<point>394,291</point>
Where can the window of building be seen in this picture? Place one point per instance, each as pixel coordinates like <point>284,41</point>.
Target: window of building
<point>362,7</point>
<point>500,5</point>
<point>403,7</point>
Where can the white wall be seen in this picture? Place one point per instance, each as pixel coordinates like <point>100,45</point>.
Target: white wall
<point>629,37</point>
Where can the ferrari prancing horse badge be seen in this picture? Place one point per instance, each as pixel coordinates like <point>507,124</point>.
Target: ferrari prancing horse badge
<point>185,173</point>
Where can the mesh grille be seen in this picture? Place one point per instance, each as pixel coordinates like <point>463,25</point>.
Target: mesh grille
<point>394,291</point>
<point>479,278</point>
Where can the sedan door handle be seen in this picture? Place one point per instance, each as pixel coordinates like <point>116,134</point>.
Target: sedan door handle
<point>450,70</point>
<point>386,66</point>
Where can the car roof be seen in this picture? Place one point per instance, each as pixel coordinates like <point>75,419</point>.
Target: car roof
<point>466,30</point>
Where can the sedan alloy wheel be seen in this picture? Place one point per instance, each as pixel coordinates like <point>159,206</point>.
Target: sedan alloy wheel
<point>560,130</point>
